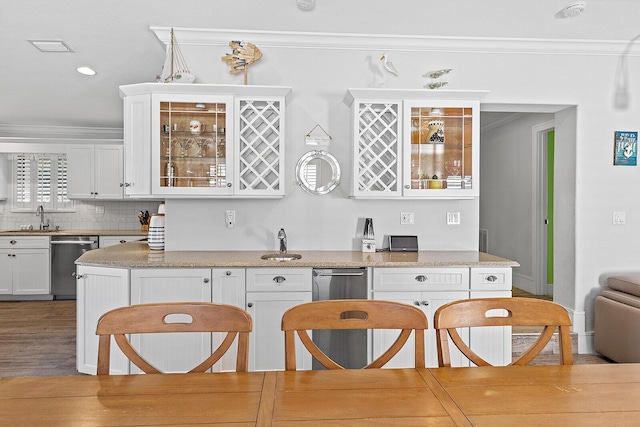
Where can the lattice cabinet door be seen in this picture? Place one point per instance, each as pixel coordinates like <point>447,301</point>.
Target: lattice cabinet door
<point>377,164</point>
<point>260,146</point>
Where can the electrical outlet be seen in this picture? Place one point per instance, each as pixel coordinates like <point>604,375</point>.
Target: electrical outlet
<point>100,210</point>
<point>406,218</point>
<point>453,218</point>
<point>230,219</point>
<point>619,218</point>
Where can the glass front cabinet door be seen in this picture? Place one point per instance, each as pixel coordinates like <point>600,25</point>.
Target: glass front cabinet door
<point>415,143</point>
<point>191,155</point>
<point>204,140</point>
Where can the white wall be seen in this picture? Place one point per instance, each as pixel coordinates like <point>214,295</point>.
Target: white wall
<point>589,189</point>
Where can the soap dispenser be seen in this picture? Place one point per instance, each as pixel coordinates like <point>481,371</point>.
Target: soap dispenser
<point>368,238</point>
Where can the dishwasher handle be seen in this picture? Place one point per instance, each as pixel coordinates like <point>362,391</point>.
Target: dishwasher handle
<point>354,273</point>
<point>73,242</point>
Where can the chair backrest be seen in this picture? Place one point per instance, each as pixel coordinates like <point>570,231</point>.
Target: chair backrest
<point>173,317</point>
<point>353,314</point>
<point>502,312</point>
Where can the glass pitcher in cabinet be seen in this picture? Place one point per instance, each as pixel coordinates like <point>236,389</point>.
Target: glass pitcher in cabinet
<point>442,155</point>
<point>191,148</point>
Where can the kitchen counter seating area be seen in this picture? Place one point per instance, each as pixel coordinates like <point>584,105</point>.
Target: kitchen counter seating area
<point>131,273</point>
<point>574,395</point>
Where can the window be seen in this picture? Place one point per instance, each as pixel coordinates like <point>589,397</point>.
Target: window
<point>40,179</point>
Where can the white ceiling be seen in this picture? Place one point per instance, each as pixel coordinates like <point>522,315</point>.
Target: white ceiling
<point>113,37</point>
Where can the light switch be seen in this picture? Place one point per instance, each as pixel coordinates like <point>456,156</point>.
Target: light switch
<point>453,218</point>
<point>100,210</point>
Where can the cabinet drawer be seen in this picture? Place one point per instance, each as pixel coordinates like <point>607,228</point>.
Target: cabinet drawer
<point>420,279</point>
<point>490,279</point>
<point>19,242</point>
<point>278,279</point>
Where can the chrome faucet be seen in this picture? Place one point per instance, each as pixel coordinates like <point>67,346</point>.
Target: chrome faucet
<point>283,240</point>
<point>40,212</point>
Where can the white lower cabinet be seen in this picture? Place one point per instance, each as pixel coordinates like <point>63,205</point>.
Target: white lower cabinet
<point>429,302</point>
<point>171,352</point>
<point>99,290</point>
<point>228,288</point>
<point>427,288</point>
<point>271,292</point>
<point>492,343</point>
<point>25,265</point>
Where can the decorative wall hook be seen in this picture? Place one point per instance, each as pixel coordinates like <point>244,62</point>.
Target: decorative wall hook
<point>323,139</point>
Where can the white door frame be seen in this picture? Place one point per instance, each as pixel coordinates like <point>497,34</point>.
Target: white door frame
<point>539,231</point>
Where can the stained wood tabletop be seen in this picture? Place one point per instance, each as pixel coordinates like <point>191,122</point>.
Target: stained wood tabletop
<point>580,395</point>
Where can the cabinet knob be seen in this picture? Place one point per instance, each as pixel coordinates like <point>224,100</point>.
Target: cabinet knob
<point>228,273</point>
<point>421,278</point>
<point>492,278</point>
<point>228,184</point>
<point>425,303</point>
<point>206,280</point>
<point>13,242</point>
<point>78,276</point>
<point>416,303</point>
<point>408,187</point>
<point>279,279</point>
<point>123,241</point>
<point>250,304</point>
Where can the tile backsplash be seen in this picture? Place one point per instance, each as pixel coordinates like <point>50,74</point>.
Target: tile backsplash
<point>118,215</point>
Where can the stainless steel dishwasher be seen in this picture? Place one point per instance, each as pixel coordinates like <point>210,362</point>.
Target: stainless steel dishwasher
<point>65,250</point>
<point>346,347</point>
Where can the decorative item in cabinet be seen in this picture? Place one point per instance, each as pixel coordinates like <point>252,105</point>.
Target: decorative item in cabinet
<point>193,150</point>
<point>441,148</point>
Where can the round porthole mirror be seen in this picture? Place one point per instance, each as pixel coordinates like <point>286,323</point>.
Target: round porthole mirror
<point>318,172</point>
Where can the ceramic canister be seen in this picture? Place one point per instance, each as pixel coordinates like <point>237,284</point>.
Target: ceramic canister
<point>156,232</point>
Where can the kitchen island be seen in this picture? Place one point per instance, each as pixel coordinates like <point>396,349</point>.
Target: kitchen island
<point>130,273</point>
<point>138,255</point>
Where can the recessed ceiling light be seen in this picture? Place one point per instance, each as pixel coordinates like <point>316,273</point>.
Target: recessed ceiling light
<point>50,46</point>
<point>86,71</point>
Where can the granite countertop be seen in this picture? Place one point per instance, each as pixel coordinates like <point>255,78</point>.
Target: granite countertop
<point>73,233</point>
<point>137,255</point>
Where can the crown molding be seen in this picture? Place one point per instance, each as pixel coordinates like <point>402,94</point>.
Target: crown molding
<point>393,42</point>
<point>58,134</point>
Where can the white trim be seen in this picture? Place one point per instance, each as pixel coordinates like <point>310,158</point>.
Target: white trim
<point>526,283</point>
<point>539,250</point>
<point>392,42</point>
<point>59,132</point>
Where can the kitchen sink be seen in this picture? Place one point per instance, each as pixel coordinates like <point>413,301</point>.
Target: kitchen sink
<point>281,257</point>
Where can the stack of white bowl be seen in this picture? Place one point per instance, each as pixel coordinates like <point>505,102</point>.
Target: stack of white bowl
<point>156,232</point>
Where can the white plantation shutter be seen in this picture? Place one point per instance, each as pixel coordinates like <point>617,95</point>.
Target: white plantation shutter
<point>41,179</point>
<point>22,185</point>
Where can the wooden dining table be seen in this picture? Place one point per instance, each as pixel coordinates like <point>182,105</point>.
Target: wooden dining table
<point>580,395</point>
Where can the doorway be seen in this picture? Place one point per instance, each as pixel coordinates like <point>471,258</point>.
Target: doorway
<point>517,194</point>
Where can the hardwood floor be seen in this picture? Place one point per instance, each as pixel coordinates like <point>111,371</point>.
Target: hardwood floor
<point>39,339</point>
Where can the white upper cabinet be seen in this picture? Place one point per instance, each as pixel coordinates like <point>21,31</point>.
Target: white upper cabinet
<point>204,140</point>
<point>415,143</point>
<point>95,171</point>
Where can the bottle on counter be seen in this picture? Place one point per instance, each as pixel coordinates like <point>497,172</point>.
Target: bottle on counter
<point>368,237</point>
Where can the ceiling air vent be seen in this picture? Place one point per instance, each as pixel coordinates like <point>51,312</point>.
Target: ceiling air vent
<point>50,46</point>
